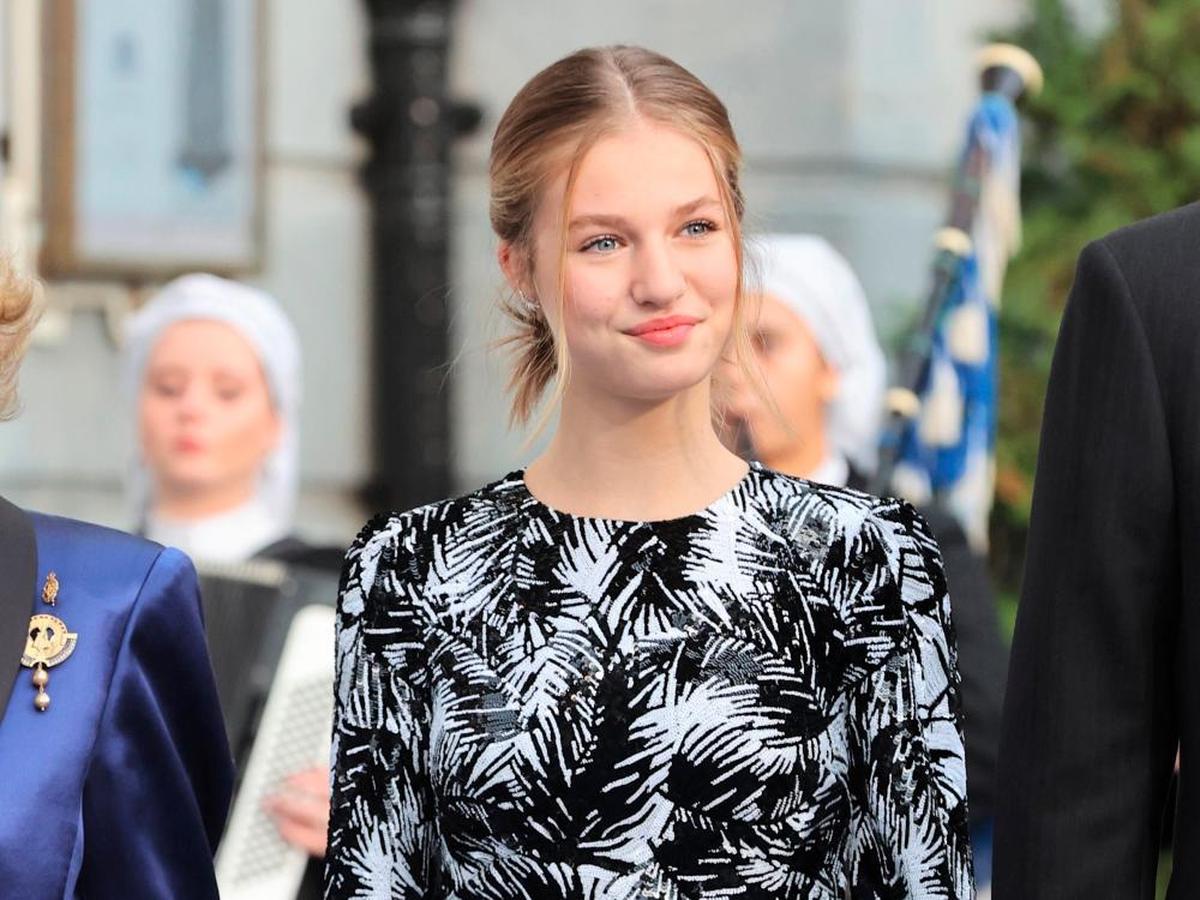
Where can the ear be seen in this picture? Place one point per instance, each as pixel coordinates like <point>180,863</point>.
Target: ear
<point>514,265</point>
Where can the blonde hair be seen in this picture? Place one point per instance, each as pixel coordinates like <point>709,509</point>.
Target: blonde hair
<point>19,311</point>
<point>562,112</point>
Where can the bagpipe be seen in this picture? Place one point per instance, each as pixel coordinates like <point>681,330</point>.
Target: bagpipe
<point>938,440</point>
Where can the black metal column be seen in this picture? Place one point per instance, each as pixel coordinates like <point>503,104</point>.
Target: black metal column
<point>410,124</point>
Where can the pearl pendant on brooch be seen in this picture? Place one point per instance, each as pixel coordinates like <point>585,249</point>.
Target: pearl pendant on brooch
<point>48,643</point>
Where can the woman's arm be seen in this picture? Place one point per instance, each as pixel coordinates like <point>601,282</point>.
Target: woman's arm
<point>908,775</point>
<point>382,827</point>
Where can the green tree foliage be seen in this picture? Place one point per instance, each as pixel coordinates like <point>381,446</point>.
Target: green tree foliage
<point>1113,138</point>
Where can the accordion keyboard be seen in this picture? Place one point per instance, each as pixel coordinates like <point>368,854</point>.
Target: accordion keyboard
<point>253,862</point>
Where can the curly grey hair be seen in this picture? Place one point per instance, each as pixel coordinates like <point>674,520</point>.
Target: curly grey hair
<point>20,307</point>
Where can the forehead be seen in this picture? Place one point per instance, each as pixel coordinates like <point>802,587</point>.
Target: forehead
<point>645,169</point>
<point>203,342</point>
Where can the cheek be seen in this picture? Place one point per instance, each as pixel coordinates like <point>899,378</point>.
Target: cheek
<point>795,375</point>
<point>242,433</point>
<point>714,274</point>
<point>788,381</point>
<point>593,297</point>
<point>768,428</point>
<point>154,422</point>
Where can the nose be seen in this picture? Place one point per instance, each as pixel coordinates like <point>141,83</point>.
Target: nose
<point>658,279</point>
<point>190,403</point>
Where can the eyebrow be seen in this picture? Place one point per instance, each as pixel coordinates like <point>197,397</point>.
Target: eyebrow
<point>613,221</point>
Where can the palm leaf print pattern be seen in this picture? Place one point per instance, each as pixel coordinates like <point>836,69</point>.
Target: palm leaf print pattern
<point>756,701</point>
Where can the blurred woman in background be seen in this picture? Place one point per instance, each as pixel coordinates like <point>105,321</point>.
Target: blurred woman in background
<point>826,374</point>
<point>819,419</point>
<point>212,367</point>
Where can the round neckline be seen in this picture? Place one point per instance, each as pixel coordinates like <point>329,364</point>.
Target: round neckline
<point>529,499</point>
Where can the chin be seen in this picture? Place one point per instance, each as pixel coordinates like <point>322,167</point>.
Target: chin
<point>665,375</point>
<point>191,479</point>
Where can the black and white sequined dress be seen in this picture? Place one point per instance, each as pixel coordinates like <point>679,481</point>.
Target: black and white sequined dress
<point>755,701</point>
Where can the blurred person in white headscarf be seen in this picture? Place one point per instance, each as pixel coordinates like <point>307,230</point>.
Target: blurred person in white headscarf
<point>818,414</point>
<point>212,371</point>
<point>816,347</point>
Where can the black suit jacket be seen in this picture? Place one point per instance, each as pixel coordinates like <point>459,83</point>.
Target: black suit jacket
<point>1104,679</point>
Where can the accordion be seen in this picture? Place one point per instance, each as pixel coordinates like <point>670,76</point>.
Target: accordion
<point>270,635</point>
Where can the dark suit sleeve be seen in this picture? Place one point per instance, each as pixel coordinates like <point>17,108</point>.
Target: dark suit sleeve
<point>159,786</point>
<point>1088,737</point>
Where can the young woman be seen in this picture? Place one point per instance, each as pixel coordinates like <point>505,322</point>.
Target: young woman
<point>640,668</point>
<point>116,775</point>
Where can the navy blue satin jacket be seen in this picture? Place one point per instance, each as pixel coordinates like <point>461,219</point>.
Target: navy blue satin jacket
<point>120,788</point>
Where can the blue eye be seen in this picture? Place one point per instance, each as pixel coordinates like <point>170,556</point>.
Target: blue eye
<point>605,244</point>
<point>698,228</point>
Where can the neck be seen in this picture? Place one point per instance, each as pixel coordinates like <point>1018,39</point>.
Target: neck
<point>181,504</point>
<point>801,457</point>
<point>618,459</point>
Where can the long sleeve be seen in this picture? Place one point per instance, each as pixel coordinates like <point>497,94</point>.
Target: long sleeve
<point>1089,734</point>
<point>161,774</point>
<point>909,834</point>
<point>382,823</point>
<point>982,657</point>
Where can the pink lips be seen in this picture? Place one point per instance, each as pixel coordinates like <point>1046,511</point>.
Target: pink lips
<point>669,331</point>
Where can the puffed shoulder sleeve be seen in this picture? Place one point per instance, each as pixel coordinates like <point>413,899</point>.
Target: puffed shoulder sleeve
<point>382,821</point>
<point>910,834</point>
<point>161,775</point>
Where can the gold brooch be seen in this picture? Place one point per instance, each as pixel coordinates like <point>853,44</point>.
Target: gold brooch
<point>50,589</point>
<point>48,644</point>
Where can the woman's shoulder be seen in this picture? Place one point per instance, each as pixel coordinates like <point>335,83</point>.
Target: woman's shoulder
<point>864,527</point>
<point>122,549</point>
<point>115,565</point>
<point>404,543</point>
<point>785,491</point>
<point>414,529</point>
<point>873,559</point>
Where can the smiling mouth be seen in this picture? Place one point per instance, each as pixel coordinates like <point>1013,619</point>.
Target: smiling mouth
<point>666,337</point>
<point>667,332</point>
